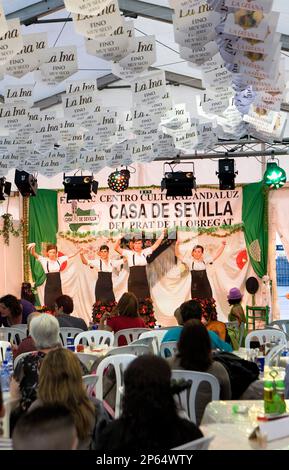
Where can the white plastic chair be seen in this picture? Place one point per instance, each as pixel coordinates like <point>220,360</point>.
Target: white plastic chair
<point>130,334</point>
<point>68,332</point>
<point>188,396</point>
<point>13,335</point>
<point>168,349</point>
<point>88,359</point>
<point>119,363</point>
<point>198,444</point>
<point>156,333</point>
<point>282,324</point>
<point>135,349</point>
<point>89,382</point>
<point>265,336</point>
<point>18,358</point>
<point>96,337</point>
<point>3,346</point>
<point>23,327</point>
<point>151,343</point>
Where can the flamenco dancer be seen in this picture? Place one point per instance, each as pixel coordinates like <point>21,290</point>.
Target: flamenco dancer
<point>137,261</point>
<point>103,287</point>
<point>52,266</point>
<point>197,263</point>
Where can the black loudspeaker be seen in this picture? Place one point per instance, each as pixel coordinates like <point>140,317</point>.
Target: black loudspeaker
<point>79,187</point>
<point>5,188</point>
<point>26,183</point>
<point>179,183</point>
<point>227,173</point>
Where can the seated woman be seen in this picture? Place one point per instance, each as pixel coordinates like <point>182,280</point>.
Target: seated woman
<point>149,420</point>
<point>44,330</point>
<point>27,344</point>
<point>212,323</point>
<point>237,311</point>
<point>14,311</point>
<point>125,315</point>
<point>60,384</point>
<point>195,353</point>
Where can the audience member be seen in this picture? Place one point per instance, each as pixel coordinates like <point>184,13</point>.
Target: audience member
<point>46,428</point>
<point>149,420</point>
<point>195,353</point>
<point>14,311</point>
<point>63,310</point>
<point>236,312</point>
<point>212,324</point>
<point>44,330</point>
<point>27,344</point>
<point>185,313</point>
<point>125,315</point>
<point>60,383</point>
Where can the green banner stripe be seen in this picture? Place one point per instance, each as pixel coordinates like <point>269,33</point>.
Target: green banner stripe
<point>255,219</point>
<point>43,226</point>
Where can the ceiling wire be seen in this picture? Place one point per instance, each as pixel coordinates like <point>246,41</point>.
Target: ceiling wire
<point>159,42</point>
<point>61,31</point>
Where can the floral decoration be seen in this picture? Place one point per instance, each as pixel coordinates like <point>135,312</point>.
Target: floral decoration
<point>208,305</point>
<point>146,311</point>
<point>8,228</point>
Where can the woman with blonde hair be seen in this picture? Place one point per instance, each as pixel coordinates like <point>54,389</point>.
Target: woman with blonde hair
<point>60,383</point>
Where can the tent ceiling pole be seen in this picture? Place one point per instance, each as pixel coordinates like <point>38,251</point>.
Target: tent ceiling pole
<point>219,155</point>
<point>133,8</point>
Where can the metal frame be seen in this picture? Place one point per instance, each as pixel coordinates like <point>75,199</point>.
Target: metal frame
<point>131,8</point>
<point>134,8</point>
<point>244,148</point>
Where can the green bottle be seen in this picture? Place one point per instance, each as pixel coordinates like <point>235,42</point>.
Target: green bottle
<point>269,405</point>
<point>279,397</point>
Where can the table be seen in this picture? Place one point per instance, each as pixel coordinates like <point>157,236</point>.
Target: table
<point>232,430</point>
<point>91,358</point>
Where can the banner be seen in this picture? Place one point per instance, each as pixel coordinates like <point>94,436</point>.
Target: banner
<point>136,211</point>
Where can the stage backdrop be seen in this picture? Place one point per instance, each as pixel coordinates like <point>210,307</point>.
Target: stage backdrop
<point>207,217</point>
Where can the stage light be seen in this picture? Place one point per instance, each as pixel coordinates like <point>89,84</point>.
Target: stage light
<point>226,173</point>
<point>178,183</point>
<point>118,181</point>
<point>26,183</point>
<point>274,176</point>
<point>5,188</point>
<point>79,187</point>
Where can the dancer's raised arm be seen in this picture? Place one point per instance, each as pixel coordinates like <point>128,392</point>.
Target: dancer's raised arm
<point>220,250</point>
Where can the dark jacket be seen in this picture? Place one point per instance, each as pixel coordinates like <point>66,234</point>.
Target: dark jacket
<point>66,320</point>
<point>117,437</point>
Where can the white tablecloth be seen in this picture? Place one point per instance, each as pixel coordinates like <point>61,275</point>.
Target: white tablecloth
<point>232,430</point>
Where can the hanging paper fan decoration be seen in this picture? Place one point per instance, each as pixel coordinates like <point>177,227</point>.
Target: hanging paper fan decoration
<point>242,259</point>
<point>63,265</point>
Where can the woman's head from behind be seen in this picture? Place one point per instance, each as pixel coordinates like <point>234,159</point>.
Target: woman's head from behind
<point>194,347</point>
<point>60,383</point>
<point>128,305</point>
<point>147,390</point>
<point>44,330</point>
<point>60,376</point>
